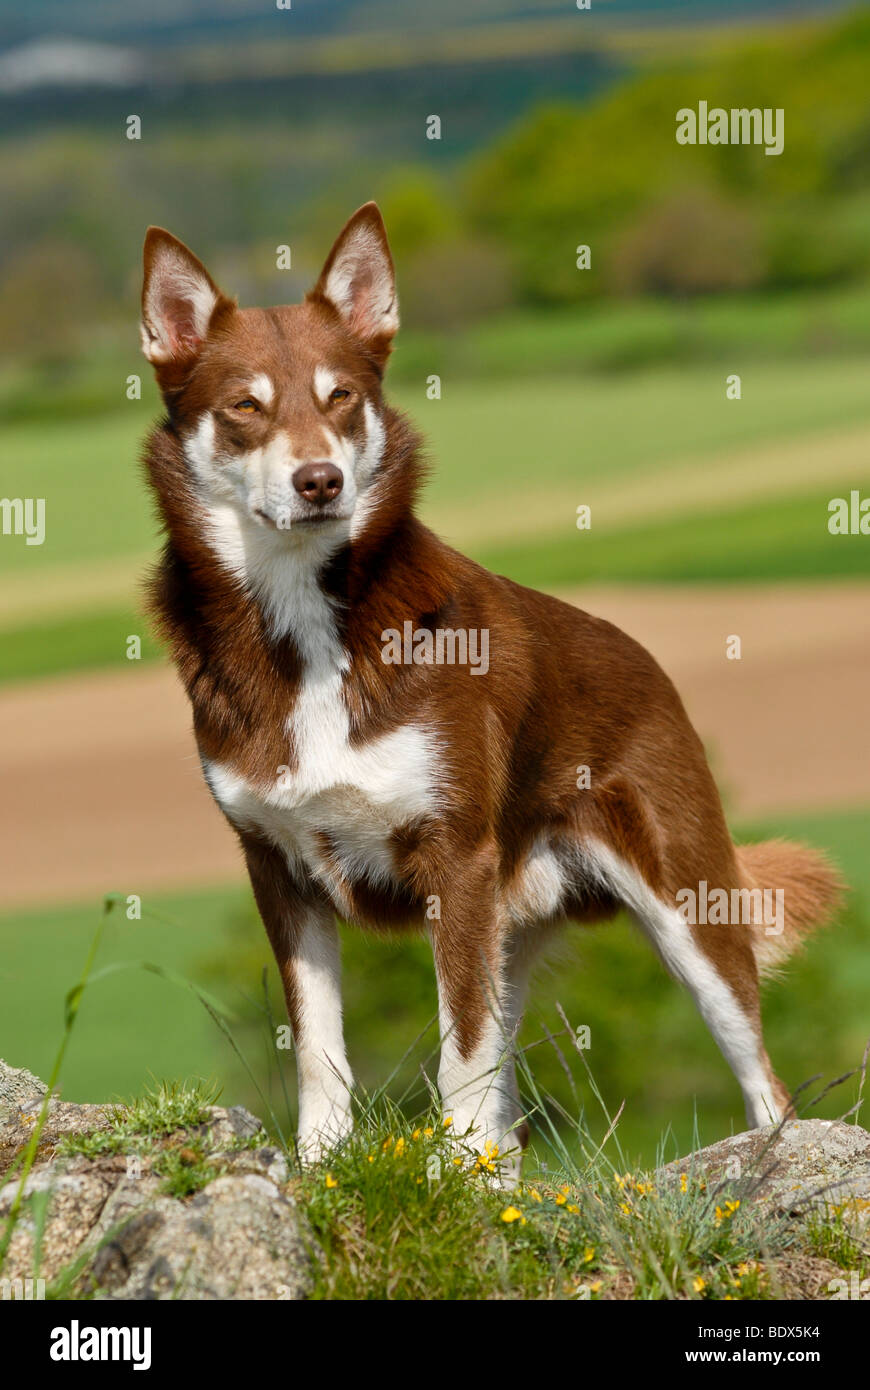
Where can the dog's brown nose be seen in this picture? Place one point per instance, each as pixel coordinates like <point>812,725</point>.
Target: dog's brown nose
<point>318,483</point>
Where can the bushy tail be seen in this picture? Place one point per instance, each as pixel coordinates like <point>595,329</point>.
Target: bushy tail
<point>812,890</point>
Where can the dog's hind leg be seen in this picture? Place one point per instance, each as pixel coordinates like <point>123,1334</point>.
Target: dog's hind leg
<point>717,966</point>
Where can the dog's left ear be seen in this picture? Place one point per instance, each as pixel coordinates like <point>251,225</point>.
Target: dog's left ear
<point>359,280</point>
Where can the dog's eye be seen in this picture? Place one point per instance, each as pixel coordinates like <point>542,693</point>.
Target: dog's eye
<point>339,394</point>
<point>245,407</point>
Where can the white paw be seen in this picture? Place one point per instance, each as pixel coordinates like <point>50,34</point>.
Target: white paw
<point>318,1136</point>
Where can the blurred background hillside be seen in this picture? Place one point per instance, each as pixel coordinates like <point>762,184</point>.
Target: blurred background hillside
<point>261,127</point>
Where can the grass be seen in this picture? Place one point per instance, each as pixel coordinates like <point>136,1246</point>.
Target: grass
<point>775,540</point>
<point>397,1209</point>
<point>137,1029</point>
<point>80,642</point>
<point>154,1127</point>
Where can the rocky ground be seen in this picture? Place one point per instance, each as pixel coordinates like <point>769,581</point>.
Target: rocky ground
<point>126,1204</point>
<point>238,1236</point>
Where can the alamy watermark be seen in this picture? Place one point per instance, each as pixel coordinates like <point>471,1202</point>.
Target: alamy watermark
<point>441,646</point>
<point>713,125</point>
<point>719,907</point>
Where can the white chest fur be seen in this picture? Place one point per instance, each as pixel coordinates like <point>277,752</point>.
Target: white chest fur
<point>355,796</point>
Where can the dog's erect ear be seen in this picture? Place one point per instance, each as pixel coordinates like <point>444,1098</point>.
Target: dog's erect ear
<point>358,278</point>
<point>179,298</point>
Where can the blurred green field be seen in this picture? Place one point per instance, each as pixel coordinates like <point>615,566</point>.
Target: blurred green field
<point>501,450</point>
<point>648,1046</point>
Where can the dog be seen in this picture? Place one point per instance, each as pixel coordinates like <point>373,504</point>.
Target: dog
<point>306,608</point>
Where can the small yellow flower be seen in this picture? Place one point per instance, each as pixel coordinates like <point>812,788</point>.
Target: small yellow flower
<point>593,1288</point>
<point>684,1182</point>
<point>457,1162</point>
<point>726,1213</point>
<point>513,1214</point>
<point>416,1135</point>
<point>624,1207</point>
<point>428,1131</point>
<point>561,1200</point>
<point>535,1194</point>
<point>575,1211</point>
<point>399,1149</point>
<point>331,1181</point>
<point>698,1284</point>
<point>588,1254</point>
<point>448,1121</point>
<point>371,1158</point>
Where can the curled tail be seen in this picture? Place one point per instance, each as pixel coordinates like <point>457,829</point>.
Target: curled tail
<point>811,888</point>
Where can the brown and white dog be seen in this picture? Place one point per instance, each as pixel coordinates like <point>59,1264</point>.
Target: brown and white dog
<point>421,792</point>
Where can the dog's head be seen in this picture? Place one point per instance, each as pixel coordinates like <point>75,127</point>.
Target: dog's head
<point>279,411</point>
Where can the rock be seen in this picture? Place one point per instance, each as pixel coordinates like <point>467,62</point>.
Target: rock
<point>18,1087</point>
<point>808,1163</point>
<point>268,1162</point>
<point>111,1231</point>
<point>225,1125</point>
<point>237,1239</point>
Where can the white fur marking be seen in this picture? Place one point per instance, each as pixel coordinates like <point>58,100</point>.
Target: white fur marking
<point>325,382</point>
<point>262,389</point>
<point>357,795</point>
<point>324,1074</point>
<point>732,1030</point>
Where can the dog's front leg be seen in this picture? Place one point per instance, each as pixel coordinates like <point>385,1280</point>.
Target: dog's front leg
<point>304,938</point>
<point>475,1076</point>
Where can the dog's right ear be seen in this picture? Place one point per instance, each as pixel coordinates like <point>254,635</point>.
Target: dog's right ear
<point>179,300</point>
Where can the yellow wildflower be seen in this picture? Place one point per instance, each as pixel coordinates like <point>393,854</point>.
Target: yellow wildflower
<point>513,1214</point>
